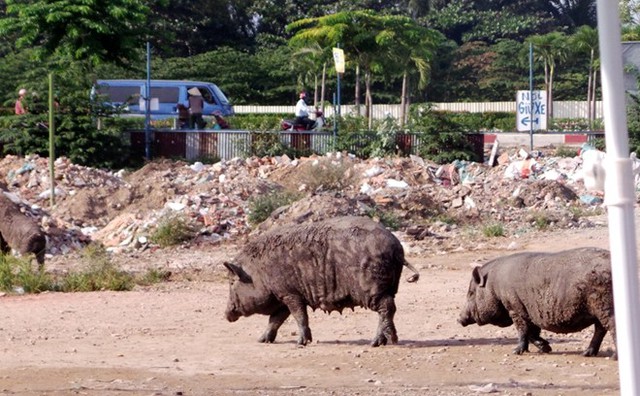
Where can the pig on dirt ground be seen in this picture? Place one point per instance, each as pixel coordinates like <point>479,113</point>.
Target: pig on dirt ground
<point>19,232</point>
<point>334,264</point>
<point>563,292</point>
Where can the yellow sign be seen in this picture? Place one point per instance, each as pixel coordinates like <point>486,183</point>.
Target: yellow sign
<point>338,58</point>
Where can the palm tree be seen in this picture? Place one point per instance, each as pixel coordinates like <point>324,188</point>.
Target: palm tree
<point>585,39</point>
<point>550,49</point>
<point>309,62</point>
<point>375,42</point>
<point>410,47</point>
<point>574,13</point>
<point>354,31</point>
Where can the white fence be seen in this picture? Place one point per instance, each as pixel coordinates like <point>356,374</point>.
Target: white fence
<point>561,109</point>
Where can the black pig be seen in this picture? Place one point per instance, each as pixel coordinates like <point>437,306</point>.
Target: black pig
<point>562,292</point>
<point>339,263</point>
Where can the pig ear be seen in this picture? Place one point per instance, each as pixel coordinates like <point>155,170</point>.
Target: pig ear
<point>480,279</point>
<point>239,272</point>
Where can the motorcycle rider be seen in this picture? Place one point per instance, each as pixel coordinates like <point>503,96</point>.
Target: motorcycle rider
<point>302,112</point>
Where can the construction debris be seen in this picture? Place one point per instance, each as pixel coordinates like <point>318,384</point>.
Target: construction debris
<point>429,204</point>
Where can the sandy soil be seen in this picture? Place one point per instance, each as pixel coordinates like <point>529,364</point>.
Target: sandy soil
<point>172,339</point>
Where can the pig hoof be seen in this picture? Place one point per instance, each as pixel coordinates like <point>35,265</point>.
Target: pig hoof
<point>379,340</point>
<point>590,352</point>
<point>305,337</point>
<point>519,350</point>
<point>543,346</point>
<point>267,338</point>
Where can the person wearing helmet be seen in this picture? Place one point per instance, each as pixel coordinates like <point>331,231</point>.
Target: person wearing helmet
<point>20,108</point>
<point>302,112</point>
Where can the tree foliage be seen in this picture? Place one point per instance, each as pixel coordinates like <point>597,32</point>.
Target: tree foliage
<point>78,29</point>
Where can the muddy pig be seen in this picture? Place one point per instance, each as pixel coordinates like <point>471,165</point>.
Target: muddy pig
<point>562,292</point>
<point>334,264</point>
<point>19,232</point>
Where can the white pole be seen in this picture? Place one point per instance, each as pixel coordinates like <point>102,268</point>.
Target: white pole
<point>620,200</point>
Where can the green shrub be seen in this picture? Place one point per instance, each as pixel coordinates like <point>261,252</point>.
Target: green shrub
<point>261,207</point>
<point>99,273</point>
<point>540,220</point>
<point>574,125</point>
<point>21,274</point>
<point>258,122</point>
<point>580,211</point>
<point>446,218</point>
<point>493,230</point>
<point>386,218</point>
<point>566,151</point>
<point>172,229</point>
<point>443,139</point>
<point>152,276</point>
<point>77,133</point>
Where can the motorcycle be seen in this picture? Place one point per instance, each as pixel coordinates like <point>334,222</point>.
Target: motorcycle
<point>317,125</point>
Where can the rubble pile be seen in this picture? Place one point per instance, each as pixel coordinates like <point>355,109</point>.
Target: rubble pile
<point>434,207</point>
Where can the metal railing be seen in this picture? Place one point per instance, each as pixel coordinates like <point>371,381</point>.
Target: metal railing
<point>226,144</point>
<point>212,144</point>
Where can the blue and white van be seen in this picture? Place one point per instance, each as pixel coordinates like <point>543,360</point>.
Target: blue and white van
<point>164,97</point>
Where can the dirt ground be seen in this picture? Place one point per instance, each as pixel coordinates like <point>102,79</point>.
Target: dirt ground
<point>172,339</point>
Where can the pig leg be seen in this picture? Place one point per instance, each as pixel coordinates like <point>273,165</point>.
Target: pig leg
<point>539,342</point>
<point>386,329</point>
<point>275,321</point>
<point>598,335</point>
<point>298,309</point>
<point>523,335</point>
<point>4,247</point>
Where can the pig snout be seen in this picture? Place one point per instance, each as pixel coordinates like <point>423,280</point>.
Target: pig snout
<point>466,319</point>
<point>231,313</point>
<point>232,316</point>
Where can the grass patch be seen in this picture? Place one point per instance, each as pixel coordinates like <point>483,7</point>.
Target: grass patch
<point>261,207</point>
<point>493,230</point>
<point>540,220</point>
<point>100,273</point>
<point>386,218</point>
<point>152,276</point>
<point>19,275</point>
<point>173,229</point>
<point>580,211</point>
<point>446,218</point>
<point>566,152</point>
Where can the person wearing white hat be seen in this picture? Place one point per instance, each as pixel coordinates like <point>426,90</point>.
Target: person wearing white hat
<point>19,108</point>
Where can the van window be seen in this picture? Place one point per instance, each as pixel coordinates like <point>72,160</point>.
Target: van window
<point>166,94</point>
<point>206,95</point>
<point>221,96</point>
<point>125,94</point>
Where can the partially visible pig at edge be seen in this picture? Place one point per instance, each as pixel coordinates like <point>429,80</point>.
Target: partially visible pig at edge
<point>563,292</point>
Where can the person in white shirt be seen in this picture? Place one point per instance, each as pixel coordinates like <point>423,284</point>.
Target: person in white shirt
<point>302,112</point>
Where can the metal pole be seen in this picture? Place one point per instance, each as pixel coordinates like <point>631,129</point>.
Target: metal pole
<point>531,97</point>
<point>52,132</point>
<point>335,120</point>
<point>147,109</point>
<point>620,200</point>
